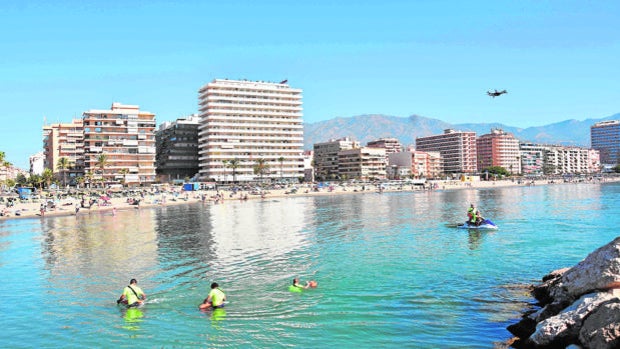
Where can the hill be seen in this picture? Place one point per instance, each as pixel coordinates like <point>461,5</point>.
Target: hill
<point>365,128</point>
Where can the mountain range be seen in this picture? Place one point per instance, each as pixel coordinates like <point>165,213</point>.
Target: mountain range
<point>366,128</point>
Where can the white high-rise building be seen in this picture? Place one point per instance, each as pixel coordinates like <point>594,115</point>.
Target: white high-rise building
<point>250,130</point>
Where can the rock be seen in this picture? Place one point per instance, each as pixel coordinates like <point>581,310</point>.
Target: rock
<point>578,307</point>
<point>602,328</point>
<point>599,270</point>
<point>523,328</point>
<point>563,328</point>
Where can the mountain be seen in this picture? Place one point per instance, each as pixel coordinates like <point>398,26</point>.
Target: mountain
<point>366,128</point>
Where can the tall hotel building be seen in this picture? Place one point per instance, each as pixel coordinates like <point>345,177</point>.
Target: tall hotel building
<point>499,148</point>
<point>244,122</point>
<point>457,149</point>
<point>64,140</point>
<point>125,135</point>
<point>605,137</point>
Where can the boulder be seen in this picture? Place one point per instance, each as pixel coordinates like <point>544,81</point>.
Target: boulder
<point>602,328</point>
<point>600,270</point>
<point>578,307</point>
<point>563,328</point>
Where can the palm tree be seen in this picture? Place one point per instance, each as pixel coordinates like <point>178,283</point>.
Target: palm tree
<point>80,181</point>
<point>124,172</point>
<point>89,177</point>
<point>281,160</point>
<point>260,168</point>
<point>234,165</point>
<point>102,162</point>
<point>35,180</point>
<point>64,164</point>
<point>47,177</point>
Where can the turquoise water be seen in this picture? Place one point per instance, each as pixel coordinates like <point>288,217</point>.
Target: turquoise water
<point>391,273</point>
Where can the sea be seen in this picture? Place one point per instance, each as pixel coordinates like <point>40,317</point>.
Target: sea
<point>392,270</point>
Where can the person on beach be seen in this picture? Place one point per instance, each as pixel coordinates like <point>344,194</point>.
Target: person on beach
<point>132,295</point>
<point>215,299</point>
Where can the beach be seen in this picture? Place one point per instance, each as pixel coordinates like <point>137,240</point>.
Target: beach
<point>68,205</point>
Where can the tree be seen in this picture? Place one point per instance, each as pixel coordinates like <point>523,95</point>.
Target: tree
<point>497,170</point>
<point>102,162</point>
<point>80,181</point>
<point>47,177</point>
<point>21,179</point>
<point>34,180</point>
<point>616,168</point>
<point>89,177</point>
<point>124,172</point>
<point>64,164</point>
<point>261,167</point>
<point>234,165</point>
<point>281,160</point>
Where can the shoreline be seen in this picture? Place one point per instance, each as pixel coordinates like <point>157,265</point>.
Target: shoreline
<point>66,207</point>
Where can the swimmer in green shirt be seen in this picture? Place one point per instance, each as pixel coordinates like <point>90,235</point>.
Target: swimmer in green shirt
<point>133,295</point>
<point>215,299</point>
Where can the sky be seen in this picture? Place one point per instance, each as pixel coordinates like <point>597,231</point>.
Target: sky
<point>557,59</point>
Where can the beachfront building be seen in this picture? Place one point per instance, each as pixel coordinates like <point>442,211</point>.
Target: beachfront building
<point>569,160</point>
<point>391,146</point>
<point>532,158</point>
<point>363,163</point>
<point>308,168</point>
<point>64,140</point>
<point>326,157</point>
<point>457,149</point>
<point>119,145</point>
<point>417,164</point>
<point>605,137</point>
<point>250,130</point>
<point>176,145</point>
<point>498,148</point>
<point>37,163</point>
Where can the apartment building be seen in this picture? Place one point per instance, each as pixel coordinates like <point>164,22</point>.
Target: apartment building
<point>457,149</point>
<point>123,136</point>
<point>250,130</point>
<point>418,164</point>
<point>326,156</point>
<point>64,140</point>
<point>177,149</point>
<point>363,163</point>
<point>391,146</point>
<point>605,137</point>
<point>532,158</point>
<point>498,148</point>
<point>37,163</point>
<point>573,160</point>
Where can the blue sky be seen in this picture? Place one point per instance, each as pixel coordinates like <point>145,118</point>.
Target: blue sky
<point>557,59</point>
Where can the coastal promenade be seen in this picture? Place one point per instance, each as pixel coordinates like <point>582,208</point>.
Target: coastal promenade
<point>67,206</point>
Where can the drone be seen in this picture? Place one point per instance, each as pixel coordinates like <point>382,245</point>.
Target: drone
<point>496,93</point>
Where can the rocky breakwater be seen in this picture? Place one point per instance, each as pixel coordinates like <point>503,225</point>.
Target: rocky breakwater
<point>578,307</point>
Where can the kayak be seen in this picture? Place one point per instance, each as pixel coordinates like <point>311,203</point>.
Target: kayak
<point>485,224</point>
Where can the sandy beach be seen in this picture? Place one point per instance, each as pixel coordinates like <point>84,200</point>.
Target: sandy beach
<point>67,206</point>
